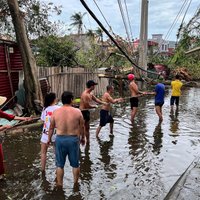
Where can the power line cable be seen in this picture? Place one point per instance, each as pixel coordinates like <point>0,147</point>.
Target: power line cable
<point>110,28</point>
<point>123,18</point>
<point>128,19</point>
<point>181,27</point>
<point>112,39</point>
<point>176,19</point>
<point>103,16</point>
<point>125,25</point>
<point>172,26</point>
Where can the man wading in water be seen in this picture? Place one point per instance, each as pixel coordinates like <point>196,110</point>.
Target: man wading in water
<point>135,93</point>
<point>105,116</point>
<point>68,122</point>
<point>86,104</point>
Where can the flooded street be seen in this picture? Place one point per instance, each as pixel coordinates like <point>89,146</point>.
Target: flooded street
<point>142,161</point>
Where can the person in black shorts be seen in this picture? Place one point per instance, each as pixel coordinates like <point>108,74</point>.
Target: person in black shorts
<point>135,93</point>
<point>86,104</point>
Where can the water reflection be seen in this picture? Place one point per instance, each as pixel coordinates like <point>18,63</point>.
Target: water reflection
<point>157,135</point>
<point>85,166</point>
<point>57,193</point>
<point>137,139</point>
<point>174,121</point>
<point>105,148</point>
<point>45,185</point>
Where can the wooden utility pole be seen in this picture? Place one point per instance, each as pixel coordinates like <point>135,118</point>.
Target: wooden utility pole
<point>143,35</point>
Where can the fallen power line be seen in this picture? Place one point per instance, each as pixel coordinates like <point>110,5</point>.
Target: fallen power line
<point>112,39</point>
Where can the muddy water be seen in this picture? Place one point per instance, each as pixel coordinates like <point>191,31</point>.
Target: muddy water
<point>142,161</point>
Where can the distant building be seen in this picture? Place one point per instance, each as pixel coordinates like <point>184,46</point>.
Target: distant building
<point>151,46</point>
<point>165,47</point>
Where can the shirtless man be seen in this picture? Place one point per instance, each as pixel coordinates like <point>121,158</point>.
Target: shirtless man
<point>86,103</point>
<point>135,93</point>
<point>69,125</point>
<point>105,116</point>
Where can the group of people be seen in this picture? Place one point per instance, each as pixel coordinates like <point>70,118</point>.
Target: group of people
<point>159,95</point>
<point>71,125</point>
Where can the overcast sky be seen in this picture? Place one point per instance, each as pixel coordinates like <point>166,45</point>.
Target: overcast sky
<point>162,14</point>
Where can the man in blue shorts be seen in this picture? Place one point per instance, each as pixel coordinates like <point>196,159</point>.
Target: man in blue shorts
<point>105,116</point>
<point>69,125</point>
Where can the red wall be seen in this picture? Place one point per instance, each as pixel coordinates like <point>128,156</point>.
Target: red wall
<point>12,68</point>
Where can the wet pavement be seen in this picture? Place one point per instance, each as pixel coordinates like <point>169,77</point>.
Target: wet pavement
<point>142,161</point>
<point>188,185</point>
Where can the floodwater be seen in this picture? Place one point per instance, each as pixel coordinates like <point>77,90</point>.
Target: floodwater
<point>142,161</point>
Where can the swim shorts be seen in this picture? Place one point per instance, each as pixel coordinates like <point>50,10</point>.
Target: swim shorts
<point>134,102</point>
<point>174,99</point>
<point>159,104</point>
<point>67,145</point>
<point>86,115</point>
<point>105,118</point>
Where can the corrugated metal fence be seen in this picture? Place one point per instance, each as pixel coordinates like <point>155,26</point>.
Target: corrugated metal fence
<point>72,79</point>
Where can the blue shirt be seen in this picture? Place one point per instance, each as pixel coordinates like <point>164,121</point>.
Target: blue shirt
<point>160,93</point>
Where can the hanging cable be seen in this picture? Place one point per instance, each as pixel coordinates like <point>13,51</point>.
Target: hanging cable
<point>116,36</point>
<point>125,25</point>
<point>172,26</point>
<point>112,39</point>
<point>103,16</point>
<point>196,12</point>
<point>128,19</point>
<point>180,28</point>
<point>123,18</point>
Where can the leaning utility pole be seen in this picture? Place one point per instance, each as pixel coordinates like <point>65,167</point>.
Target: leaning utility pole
<point>143,35</point>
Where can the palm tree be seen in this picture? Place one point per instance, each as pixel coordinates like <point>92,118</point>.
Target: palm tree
<point>90,34</point>
<point>77,21</point>
<point>99,33</point>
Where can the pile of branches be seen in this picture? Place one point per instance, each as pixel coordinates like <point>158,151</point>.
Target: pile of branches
<point>183,72</point>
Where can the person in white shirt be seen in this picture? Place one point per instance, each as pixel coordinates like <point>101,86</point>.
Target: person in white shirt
<point>49,107</point>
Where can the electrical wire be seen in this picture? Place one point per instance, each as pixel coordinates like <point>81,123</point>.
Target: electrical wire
<point>172,26</point>
<point>103,16</point>
<point>110,28</point>
<point>180,28</point>
<point>112,39</point>
<point>128,19</point>
<point>123,18</point>
<point>125,26</point>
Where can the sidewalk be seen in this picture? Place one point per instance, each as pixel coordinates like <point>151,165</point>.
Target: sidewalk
<point>187,186</point>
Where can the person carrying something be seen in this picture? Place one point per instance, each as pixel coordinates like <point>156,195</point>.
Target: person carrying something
<point>105,116</point>
<point>86,104</point>
<point>135,93</point>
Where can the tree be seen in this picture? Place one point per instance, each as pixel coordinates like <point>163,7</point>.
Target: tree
<point>90,33</point>
<point>99,33</point>
<point>36,18</point>
<point>55,51</point>
<point>31,82</point>
<point>188,35</point>
<point>77,21</point>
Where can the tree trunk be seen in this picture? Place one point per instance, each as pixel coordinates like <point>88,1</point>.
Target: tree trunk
<point>31,82</point>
